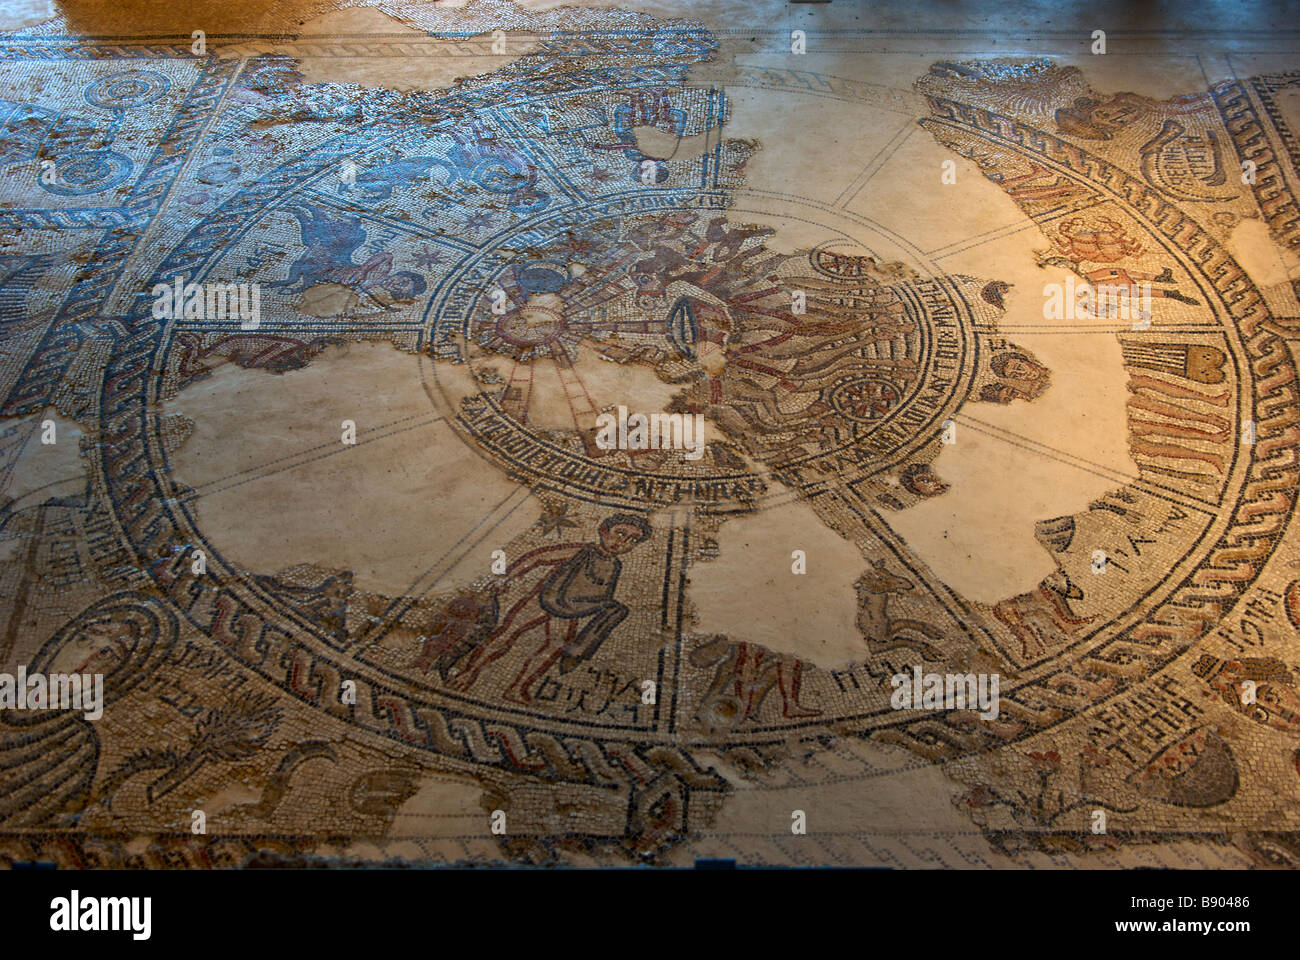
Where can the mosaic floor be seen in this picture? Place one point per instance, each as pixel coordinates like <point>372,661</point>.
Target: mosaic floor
<point>312,320</point>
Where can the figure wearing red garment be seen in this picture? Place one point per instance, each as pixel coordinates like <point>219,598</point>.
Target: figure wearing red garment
<point>569,612</point>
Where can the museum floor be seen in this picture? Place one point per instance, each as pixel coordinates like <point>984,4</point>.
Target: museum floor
<point>644,431</point>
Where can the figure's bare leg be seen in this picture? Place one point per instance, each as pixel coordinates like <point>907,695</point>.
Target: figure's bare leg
<point>790,705</point>
<point>493,649</point>
<point>535,666</point>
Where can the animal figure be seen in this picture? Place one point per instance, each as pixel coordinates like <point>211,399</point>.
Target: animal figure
<point>465,622</point>
<point>883,632</point>
<point>745,675</point>
<point>260,351</point>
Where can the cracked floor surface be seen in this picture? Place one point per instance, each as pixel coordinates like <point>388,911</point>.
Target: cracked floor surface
<point>970,340</point>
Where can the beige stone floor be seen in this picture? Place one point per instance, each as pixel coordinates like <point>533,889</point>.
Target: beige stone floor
<point>312,642</point>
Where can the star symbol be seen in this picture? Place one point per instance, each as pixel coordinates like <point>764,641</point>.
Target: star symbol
<point>600,175</point>
<point>427,258</point>
<point>477,222</point>
<point>554,518</point>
